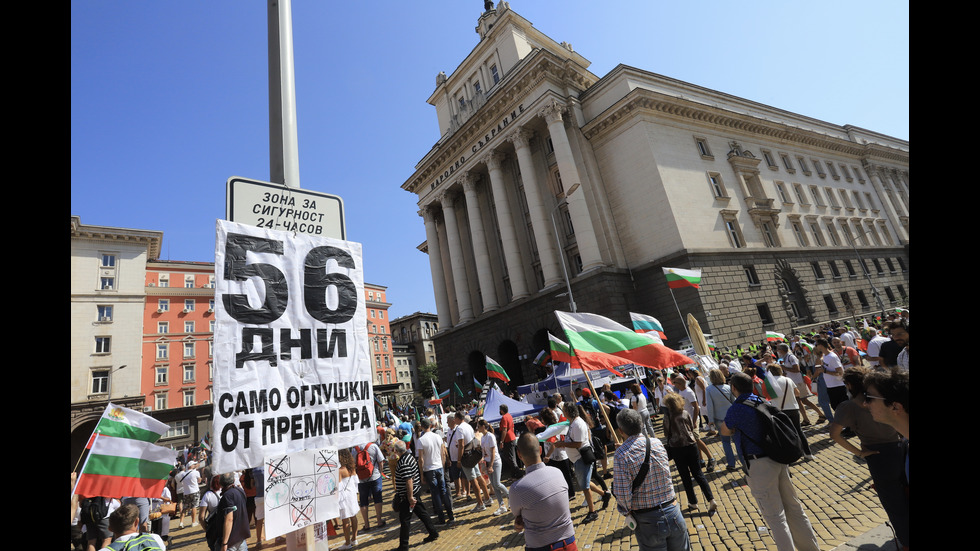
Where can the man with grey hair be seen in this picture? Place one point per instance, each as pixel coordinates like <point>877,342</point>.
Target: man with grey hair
<point>643,488</point>
<point>432,456</point>
<point>408,486</point>
<point>232,509</point>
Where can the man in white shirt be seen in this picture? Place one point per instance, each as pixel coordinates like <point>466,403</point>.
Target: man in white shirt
<point>874,348</point>
<point>432,452</point>
<point>829,364</point>
<point>190,483</point>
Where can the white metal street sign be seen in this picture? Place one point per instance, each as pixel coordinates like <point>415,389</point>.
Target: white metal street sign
<point>277,207</point>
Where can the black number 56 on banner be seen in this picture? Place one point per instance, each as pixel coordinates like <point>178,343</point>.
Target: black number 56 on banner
<point>292,367</point>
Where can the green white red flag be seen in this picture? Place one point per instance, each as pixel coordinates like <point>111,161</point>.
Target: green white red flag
<point>650,325</point>
<point>600,343</point>
<point>772,336</point>
<point>678,278</point>
<point>542,358</point>
<point>560,352</point>
<point>124,460</point>
<point>496,371</point>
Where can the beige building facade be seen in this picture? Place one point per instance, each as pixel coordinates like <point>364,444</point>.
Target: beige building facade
<point>544,169</point>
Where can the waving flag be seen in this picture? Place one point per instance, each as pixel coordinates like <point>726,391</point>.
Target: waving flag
<point>124,460</point>
<point>496,371</point>
<point>542,358</point>
<point>773,336</point>
<point>601,343</point>
<point>560,352</point>
<point>647,324</point>
<point>678,278</point>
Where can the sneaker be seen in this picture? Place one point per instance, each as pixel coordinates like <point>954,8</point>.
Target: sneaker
<point>353,543</point>
<point>431,537</point>
<point>488,502</point>
<point>809,457</point>
<point>500,511</point>
<point>345,547</point>
<point>711,464</point>
<point>590,517</point>
<point>194,524</point>
<point>731,468</point>
<point>479,507</point>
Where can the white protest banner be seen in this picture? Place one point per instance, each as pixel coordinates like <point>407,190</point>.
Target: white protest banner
<point>301,488</point>
<point>292,368</point>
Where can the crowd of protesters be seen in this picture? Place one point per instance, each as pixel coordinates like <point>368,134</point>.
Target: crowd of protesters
<point>858,377</point>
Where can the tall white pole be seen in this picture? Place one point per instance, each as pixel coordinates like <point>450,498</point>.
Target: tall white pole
<point>283,140</point>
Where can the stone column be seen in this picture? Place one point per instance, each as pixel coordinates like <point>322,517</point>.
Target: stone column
<point>456,258</point>
<point>588,245</point>
<point>540,220</point>
<point>505,220</point>
<point>478,235</point>
<point>892,213</point>
<point>435,266</point>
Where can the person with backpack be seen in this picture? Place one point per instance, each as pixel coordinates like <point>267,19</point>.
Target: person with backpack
<point>230,521</point>
<point>95,513</point>
<point>125,525</point>
<point>367,464</point>
<point>765,437</point>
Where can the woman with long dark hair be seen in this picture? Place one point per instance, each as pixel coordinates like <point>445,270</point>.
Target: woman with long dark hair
<point>682,448</point>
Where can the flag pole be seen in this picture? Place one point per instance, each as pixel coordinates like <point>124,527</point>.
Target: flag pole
<point>79,477</point>
<point>588,381</point>
<point>680,316</point>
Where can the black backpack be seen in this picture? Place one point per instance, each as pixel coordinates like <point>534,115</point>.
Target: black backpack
<point>780,441</point>
<point>94,509</point>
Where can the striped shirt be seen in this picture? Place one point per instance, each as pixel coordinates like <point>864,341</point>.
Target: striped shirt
<point>408,468</point>
<point>655,490</point>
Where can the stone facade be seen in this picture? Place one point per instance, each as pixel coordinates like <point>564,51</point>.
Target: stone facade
<point>545,171</point>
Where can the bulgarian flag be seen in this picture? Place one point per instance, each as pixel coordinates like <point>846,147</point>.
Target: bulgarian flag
<point>806,346</point>
<point>444,393</point>
<point>496,371</point>
<point>678,278</point>
<point>601,343</point>
<point>542,358</point>
<point>435,391</point>
<point>123,459</point>
<point>560,352</point>
<point>772,336</point>
<point>647,324</point>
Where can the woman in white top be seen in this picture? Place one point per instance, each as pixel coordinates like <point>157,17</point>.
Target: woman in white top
<point>494,465</point>
<point>639,403</point>
<point>347,494</point>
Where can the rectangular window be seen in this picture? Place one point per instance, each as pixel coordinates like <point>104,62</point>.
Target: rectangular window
<point>846,301</point>
<point>105,312</point>
<point>494,74</point>
<point>817,198</point>
<point>211,281</point>
<point>770,161</point>
<point>871,202</point>
<point>831,305</point>
<point>188,398</point>
<point>819,168</point>
<point>211,305</point>
<point>163,351</point>
<point>860,176</point>
<point>832,232</point>
<point>817,234</point>
<point>210,349</point>
<point>476,87</point>
<point>901,292</point>
<point>108,260</point>
<point>160,402</point>
<point>781,192</point>
<point>769,235</point>
<point>107,283</point>
<point>833,170</point>
<point>188,327</point>
<point>857,200</point>
<point>163,327</point>
<point>802,162</point>
<point>885,234</point>
<point>845,199</point>
<point>161,374</point>
<point>734,234</point>
<point>103,345</point>
<point>703,150</point>
<point>750,275</point>
<point>189,305</point>
<point>862,299</point>
<point>211,326</point>
<point>372,313</point>
<point>890,294</point>
<point>787,164</point>
<point>878,267</point>
<point>188,349</point>
<point>800,196</point>
<point>847,173</point>
<point>891,266</point>
<point>834,270</point>
<point>765,316</point>
<point>178,428</point>
<point>163,280</point>
<point>901,264</point>
<point>188,282</point>
<point>717,186</point>
<point>188,373</point>
<point>100,381</point>
<point>163,305</point>
<point>798,233</point>
<point>831,198</point>
<point>850,268</point>
<point>817,270</point>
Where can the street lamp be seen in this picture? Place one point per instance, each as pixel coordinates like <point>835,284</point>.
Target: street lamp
<point>561,251</point>
<point>109,377</point>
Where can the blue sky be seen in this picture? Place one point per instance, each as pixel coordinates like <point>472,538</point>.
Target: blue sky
<point>168,100</point>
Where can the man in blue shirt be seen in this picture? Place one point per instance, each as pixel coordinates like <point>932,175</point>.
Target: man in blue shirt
<point>768,480</point>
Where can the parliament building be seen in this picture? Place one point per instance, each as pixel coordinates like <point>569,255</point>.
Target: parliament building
<point>545,169</point>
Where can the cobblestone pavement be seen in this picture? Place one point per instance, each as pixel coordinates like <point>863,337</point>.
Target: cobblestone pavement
<point>835,490</point>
